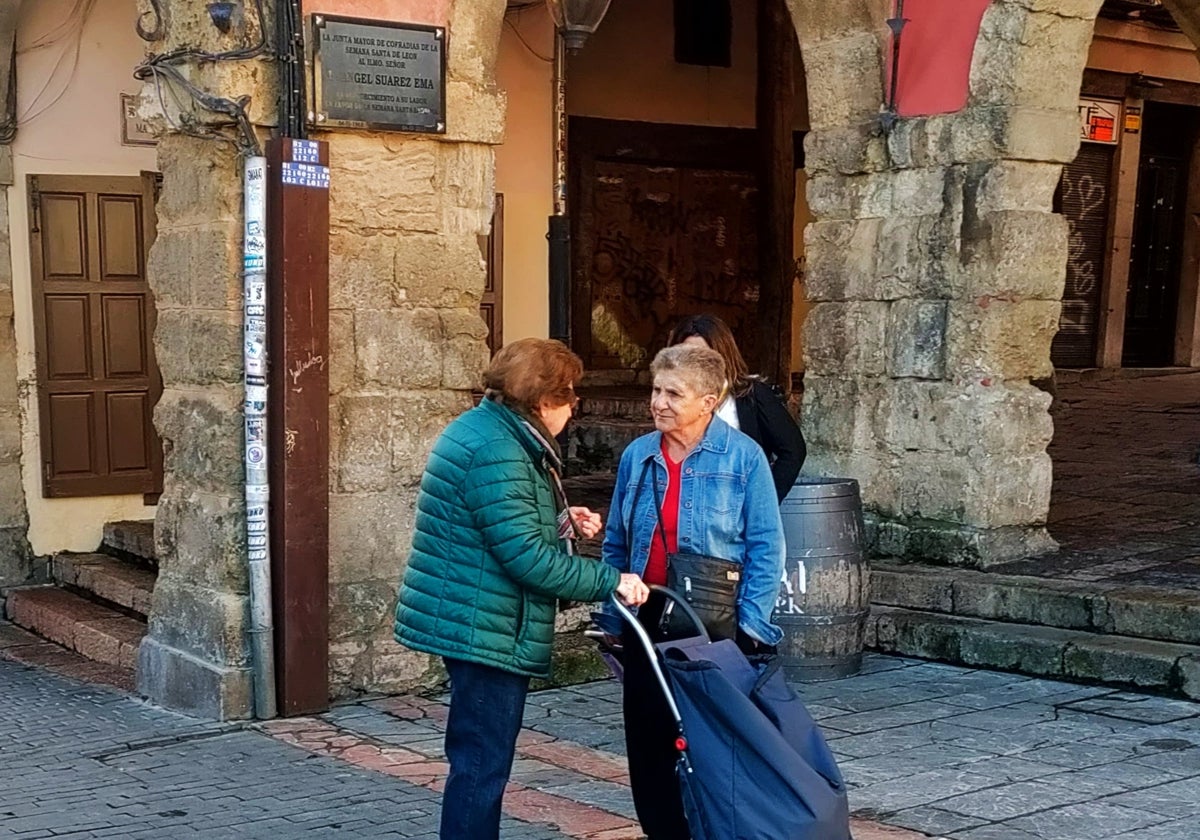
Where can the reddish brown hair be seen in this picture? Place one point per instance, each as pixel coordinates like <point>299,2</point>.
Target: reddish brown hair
<point>532,370</point>
<point>720,338</point>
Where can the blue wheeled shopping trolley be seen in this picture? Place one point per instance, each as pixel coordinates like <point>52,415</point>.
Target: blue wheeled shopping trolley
<point>752,763</point>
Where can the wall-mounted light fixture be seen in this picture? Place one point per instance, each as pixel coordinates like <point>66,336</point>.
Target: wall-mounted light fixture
<point>221,13</point>
<point>577,19</point>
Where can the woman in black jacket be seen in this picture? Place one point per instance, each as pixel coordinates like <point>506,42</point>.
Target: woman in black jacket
<point>750,404</point>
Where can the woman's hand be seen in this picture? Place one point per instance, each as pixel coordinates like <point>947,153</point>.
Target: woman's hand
<point>632,591</point>
<point>589,524</point>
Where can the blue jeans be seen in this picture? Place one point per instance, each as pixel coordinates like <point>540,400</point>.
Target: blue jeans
<point>486,707</point>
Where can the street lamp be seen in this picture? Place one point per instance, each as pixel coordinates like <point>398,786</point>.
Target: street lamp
<point>577,19</point>
<point>574,21</point>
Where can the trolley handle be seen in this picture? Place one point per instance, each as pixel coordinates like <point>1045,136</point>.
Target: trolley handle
<point>646,642</point>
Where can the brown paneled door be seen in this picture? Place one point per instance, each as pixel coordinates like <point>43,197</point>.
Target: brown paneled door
<point>94,321</point>
<point>490,304</point>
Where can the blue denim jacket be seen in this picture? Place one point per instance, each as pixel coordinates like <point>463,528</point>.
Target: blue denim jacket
<point>727,509</point>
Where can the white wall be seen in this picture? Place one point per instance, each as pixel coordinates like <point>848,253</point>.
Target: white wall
<point>77,133</point>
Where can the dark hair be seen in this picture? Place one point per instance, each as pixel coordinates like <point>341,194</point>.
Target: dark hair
<point>527,372</point>
<point>720,338</point>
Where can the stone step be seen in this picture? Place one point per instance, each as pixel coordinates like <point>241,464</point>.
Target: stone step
<point>618,406</point>
<point>595,444</point>
<point>92,630</point>
<point>132,538</point>
<point>1169,615</point>
<point>1041,651</point>
<point>109,578</point>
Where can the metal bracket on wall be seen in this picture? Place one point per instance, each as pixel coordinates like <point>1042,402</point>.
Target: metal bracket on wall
<point>35,205</point>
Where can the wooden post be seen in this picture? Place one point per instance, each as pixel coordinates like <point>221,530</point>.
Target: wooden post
<point>1110,342</point>
<point>298,434</point>
<point>774,105</point>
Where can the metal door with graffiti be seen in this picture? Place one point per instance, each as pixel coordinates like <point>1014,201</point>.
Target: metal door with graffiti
<point>1083,197</point>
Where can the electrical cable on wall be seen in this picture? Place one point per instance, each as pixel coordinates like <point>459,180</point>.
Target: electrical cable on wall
<point>166,71</point>
<point>527,45</point>
<point>71,28</point>
<point>73,22</point>
<point>164,67</point>
<point>293,112</point>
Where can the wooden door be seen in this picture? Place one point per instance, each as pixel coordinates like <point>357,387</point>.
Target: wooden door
<point>492,302</point>
<point>1154,263</point>
<point>664,224</point>
<point>94,322</point>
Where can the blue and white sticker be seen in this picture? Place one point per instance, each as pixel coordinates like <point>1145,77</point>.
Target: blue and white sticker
<point>306,151</point>
<point>306,175</point>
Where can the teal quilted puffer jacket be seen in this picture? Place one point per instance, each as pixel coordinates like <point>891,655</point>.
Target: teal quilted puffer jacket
<point>486,565</point>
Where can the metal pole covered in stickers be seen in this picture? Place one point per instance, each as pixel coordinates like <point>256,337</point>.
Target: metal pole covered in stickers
<point>258,494</point>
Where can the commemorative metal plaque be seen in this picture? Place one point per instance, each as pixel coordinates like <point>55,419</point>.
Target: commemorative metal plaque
<point>378,75</point>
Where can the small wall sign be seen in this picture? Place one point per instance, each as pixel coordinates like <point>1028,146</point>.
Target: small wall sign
<point>135,131</point>
<point>1133,119</point>
<point>378,75</point>
<point>1098,119</point>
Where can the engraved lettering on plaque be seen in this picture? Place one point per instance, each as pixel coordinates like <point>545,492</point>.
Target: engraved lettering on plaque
<point>378,75</point>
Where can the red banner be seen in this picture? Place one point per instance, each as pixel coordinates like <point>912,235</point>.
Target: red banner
<point>936,47</point>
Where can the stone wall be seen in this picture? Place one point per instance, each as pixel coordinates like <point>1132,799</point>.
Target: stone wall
<point>936,269</point>
<point>195,657</point>
<point>17,564</point>
<point>407,343</point>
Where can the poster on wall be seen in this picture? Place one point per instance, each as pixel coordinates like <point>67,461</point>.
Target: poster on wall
<point>135,130</point>
<point>1098,119</point>
<point>378,75</point>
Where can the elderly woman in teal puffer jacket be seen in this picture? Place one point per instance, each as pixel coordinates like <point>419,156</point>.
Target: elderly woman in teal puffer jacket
<point>492,553</point>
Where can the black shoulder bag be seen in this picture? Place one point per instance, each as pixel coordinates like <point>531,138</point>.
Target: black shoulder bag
<point>708,584</point>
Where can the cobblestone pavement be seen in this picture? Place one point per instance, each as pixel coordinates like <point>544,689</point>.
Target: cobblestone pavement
<point>1126,500</point>
<point>945,751</point>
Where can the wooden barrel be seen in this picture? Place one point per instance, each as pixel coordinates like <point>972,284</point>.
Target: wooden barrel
<point>824,599</point>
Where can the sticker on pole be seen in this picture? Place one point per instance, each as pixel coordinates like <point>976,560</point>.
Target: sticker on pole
<point>256,453</point>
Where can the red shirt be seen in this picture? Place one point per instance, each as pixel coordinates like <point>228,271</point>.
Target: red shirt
<point>668,517</point>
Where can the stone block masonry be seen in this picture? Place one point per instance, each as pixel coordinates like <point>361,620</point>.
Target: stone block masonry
<point>407,346</point>
<point>936,269</point>
<point>17,564</point>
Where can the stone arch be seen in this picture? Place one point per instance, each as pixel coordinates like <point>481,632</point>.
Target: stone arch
<point>936,270</point>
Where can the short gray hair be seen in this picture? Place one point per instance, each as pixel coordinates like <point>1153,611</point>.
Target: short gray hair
<point>701,368</point>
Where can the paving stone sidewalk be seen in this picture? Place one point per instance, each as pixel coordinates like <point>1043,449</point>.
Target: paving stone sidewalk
<point>1125,506</point>
<point>927,749</point>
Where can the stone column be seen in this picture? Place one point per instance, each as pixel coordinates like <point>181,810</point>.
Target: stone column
<point>195,656</point>
<point>16,558</point>
<point>407,343</point>
<point>936,269</point>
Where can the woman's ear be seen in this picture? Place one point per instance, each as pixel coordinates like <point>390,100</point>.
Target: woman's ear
<point>709,402</point>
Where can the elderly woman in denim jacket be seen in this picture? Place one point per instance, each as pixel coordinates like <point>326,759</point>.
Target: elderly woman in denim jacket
<point>718,499</point>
